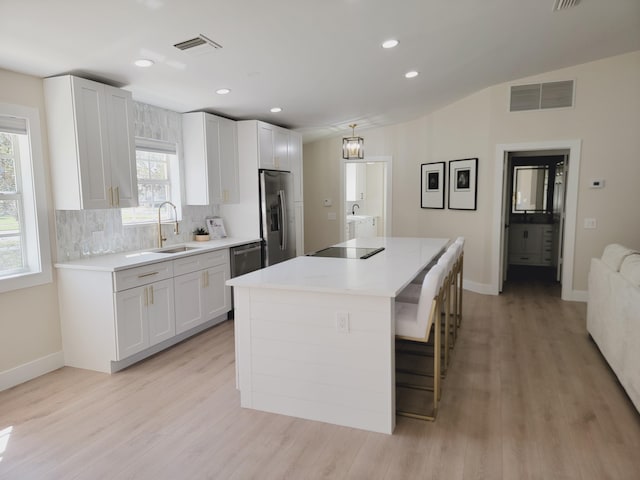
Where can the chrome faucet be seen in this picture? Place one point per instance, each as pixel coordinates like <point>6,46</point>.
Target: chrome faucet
<point>175,227</point>
<point>353,209</point>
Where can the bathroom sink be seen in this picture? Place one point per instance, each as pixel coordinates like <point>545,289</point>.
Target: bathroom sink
<point>355,218</point>
<point>175,249</point>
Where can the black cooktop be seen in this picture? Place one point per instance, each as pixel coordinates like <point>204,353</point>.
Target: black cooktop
<point>347,252</point>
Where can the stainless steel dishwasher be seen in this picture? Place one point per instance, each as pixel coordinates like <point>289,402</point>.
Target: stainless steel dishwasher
<point>244,259</point>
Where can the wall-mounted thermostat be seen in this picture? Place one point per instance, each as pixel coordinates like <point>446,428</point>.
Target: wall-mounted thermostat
<point>598,183</point>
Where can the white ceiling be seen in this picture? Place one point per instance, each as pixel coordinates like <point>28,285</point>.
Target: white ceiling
<point>320,60</point>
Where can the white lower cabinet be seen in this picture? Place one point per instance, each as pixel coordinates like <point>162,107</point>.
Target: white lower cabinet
<point>144,317</point>
<point>201,294</point>
<point>530,244</point>
<point>112,319</point>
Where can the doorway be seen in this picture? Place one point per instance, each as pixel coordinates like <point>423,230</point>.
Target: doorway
<point>365,198</point>
<point>534,216</point>
<point>567,229</point>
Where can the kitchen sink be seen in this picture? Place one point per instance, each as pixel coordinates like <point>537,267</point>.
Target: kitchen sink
<point>178,249</point>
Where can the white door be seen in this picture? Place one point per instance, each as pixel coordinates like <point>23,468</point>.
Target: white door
<point>93,143</point>
<point>122,149</point>
<point>281,150</point>
<point>160,311</point>
<point>562,171</point>
<point>265,146</point>
<point>212,139</point>
<point>217,296</point>
<point>506,210</point>
<point>131,321</point>
<point>188,300</point>
<point>229,181</point>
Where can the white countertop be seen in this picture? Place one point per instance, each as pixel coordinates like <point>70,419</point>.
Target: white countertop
<point>384,274</point>
<point>124,260</point>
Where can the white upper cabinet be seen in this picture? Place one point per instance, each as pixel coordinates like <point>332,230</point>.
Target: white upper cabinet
<point>273,147</point>
<point>210,159</point>
<point>266,157</point>
<point>92,144</point>
<point>229,182</point>
<point>295,157</point>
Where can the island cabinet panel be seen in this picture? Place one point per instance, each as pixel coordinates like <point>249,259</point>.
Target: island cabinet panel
<point>301,362</point>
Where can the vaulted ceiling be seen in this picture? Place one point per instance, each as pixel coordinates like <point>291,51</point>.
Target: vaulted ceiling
<point>320,61</point>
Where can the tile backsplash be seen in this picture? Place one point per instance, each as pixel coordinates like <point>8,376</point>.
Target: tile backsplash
<point>86,233</point>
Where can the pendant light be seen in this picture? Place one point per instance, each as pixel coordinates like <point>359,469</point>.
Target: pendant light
<point>353,147</point>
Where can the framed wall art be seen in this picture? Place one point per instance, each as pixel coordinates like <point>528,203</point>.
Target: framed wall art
<point>463,184</point>
<point>432,184</point>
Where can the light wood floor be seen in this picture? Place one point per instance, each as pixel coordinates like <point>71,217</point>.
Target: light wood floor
<point>527,396</point>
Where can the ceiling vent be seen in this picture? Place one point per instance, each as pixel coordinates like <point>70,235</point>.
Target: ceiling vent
<point>564,4</point>
<point>198,45</point>
<point>541,96</point>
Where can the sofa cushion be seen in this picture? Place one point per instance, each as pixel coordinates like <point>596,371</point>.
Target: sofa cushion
<point>630,269</point>
<point>614,254</point>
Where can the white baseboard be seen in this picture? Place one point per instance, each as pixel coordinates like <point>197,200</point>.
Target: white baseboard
<point>487,289</point>
<point>482,288</point>
<point>28,371</point>
<point>577,296</point>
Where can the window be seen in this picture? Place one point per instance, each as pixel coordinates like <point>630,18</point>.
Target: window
<point>157,169</point>
<point>25,258</point>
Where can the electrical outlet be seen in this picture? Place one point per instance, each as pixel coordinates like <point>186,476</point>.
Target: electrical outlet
<point>342,322</point>
<point>590,223</point>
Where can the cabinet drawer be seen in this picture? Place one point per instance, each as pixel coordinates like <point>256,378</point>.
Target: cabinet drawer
<point>135,277</point>
<point>524,259</point>
<point>193,263</point>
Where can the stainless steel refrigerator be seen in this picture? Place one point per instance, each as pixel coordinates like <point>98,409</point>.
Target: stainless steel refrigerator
<point>277,216</point>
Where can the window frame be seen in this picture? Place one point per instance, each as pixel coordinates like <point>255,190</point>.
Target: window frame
<point>173,171</point>
<point>18,197</point>
<point>35,222</point>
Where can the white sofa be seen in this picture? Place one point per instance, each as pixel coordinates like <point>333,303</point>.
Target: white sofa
<point>613,313</point>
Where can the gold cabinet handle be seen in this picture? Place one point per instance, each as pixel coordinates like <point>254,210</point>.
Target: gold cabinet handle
<point>147,274</point>
<point>146,297</point>
<point>117,196</point>
<point>207,273</point>
<point>110,196</point>
<point>151,290</point>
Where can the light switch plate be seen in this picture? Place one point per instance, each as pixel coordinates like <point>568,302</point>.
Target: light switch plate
<point>590,223</point>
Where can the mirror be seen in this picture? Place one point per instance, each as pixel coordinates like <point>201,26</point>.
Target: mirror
<point>355,178</point>
<point>530,187</point>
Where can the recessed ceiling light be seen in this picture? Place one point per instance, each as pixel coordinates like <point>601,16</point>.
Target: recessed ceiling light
<point>411,74</point>
<point>275,110</point>
<point>223,91</point>
<point>390,43</point>
<point>143,62</point>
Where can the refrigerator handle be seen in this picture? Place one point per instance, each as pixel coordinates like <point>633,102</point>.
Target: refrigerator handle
<point>283,220</point>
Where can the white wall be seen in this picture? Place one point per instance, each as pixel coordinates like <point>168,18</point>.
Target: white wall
<point>606,118</point>
<point>29,322</point>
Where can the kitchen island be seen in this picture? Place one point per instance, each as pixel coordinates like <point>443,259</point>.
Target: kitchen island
<point>315,335</point>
